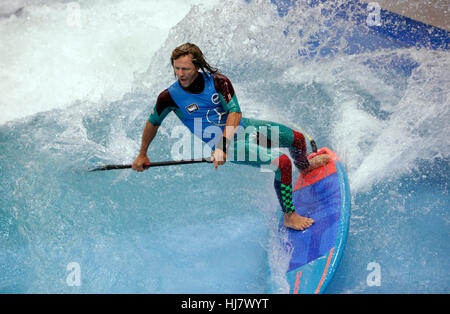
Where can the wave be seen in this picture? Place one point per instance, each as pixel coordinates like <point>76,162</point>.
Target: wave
<point>76,97</point>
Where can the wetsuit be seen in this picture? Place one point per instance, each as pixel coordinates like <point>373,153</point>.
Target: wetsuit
<point>204,107</point>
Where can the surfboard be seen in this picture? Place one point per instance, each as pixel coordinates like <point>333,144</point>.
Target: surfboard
<point>323,195</point>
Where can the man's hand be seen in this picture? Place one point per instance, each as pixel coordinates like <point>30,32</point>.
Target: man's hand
<point>138,164</point>
<point>219,157</point>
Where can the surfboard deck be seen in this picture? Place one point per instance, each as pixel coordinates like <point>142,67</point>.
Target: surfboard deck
<point>323,195</point>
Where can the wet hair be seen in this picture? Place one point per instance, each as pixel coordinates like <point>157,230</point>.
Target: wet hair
<point>197,57</point>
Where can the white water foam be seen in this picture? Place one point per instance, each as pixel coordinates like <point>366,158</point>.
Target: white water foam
<point>415,120</point>
<point>55,53</point>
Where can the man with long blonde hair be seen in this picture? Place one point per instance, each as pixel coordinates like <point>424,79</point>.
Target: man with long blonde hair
<point>207,99</point>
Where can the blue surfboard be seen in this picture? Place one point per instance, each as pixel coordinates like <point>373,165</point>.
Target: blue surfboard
<point>323,195</point>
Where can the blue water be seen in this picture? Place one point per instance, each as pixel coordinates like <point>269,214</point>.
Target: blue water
<point>190,229</point>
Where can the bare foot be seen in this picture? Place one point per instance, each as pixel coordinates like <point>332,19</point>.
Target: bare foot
<point>316,162</point>
<point>297,222</point>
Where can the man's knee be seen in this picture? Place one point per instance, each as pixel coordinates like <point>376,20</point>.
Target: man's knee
<point>284,163</point>
<point>299,141</point>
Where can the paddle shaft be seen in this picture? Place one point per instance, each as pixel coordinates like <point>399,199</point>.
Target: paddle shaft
<point>155,164</point>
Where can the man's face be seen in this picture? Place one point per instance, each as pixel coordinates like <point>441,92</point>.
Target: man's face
<point>185,70</point>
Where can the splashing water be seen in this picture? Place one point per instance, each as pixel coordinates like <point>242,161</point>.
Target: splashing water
<point>77,97</point>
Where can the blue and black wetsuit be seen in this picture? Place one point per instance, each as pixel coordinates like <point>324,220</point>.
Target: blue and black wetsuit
<point>204,107</point>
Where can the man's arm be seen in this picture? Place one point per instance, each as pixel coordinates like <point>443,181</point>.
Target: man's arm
<point>164,104</point>
<point>231,126</point>
<point>219,155</point>
<point>231,106</point>
<point>147,137</point>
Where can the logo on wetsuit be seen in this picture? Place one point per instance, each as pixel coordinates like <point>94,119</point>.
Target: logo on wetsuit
<point>220,114</point>
<point>192,107</point>
<point>215,98</point>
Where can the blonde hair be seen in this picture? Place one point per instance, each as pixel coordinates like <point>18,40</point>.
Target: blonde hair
<point>197,57</point>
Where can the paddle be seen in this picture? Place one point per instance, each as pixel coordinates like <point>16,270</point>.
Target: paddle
<point>156,164</point>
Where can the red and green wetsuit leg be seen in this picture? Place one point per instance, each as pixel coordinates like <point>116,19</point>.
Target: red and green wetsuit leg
<point>257,146</point>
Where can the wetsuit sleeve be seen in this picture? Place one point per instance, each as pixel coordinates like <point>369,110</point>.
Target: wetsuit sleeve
<point>164,105</point>
<point>226,93</point>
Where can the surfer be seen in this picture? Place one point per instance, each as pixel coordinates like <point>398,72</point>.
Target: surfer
<point>207,104</point>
